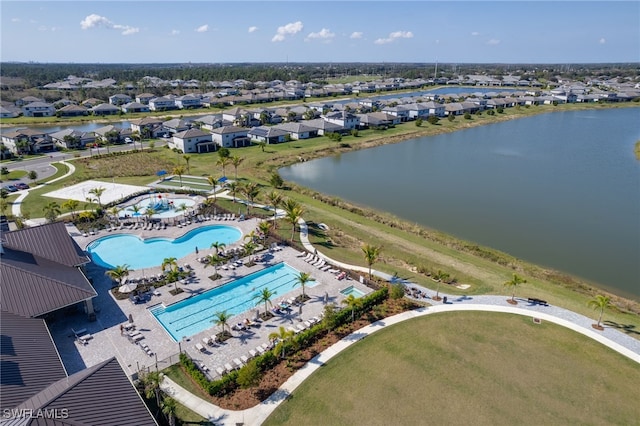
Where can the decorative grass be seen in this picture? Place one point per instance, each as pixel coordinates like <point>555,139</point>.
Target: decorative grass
<point>469,368</point>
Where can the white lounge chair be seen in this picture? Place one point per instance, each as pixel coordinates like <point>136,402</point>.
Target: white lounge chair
<point>238,363</point>
<point>220,371</point>
<point>200,348</point>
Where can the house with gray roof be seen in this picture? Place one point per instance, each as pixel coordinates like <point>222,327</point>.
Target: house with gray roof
<point>144,98</point>
<point>162,104</point>
<point>113,134</point>
<point>105,109</point>
<point>38,109</point>
<point>193,140</point>
<point>73,139</point>
<point>23,141</point>
<point>188,102</point>
<point>231,136</point>
<point>298,131</point>
<point>268,134</point>
<point>344,119</point>
<point>73,111</point>
<point>119,99</point>
<point>378,120</point>
<point>135,107</point>
<point>324,127</point>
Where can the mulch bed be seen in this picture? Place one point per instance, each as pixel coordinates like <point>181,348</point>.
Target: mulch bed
<point>242,399</point>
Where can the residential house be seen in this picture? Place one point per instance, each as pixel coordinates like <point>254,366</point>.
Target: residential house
<point>324,127</point>
<point>148,127</point>
<point>162,104</point>
<point>38,109</point>
<point>231,137</point>
<point>28,100</point>
<point>176,125</point>
<point>135,107</point>
<point>144,98</point>
<point>26,141</point>
<point>344,119</point>
<point>73,111</point>
<point>267,134</point>
<point>298,131</point>
<point>91,102</point>
<point>113,134</point>
<point>400,111</point>
<point>73,139</point>
<point>105,109</point>
<point>210,122</point>
<point>119,99</point>
<point>188,102</point>
<point>235,115</point>
<point>193,140</point>
<point>7,111</point>
<point>377,120</point>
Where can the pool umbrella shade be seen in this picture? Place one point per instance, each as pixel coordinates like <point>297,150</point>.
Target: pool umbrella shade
<point>127,288</point>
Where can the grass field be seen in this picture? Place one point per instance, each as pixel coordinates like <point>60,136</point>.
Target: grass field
<point>469,368</point>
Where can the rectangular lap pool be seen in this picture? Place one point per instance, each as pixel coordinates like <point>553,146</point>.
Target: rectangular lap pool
<point>196,314</point>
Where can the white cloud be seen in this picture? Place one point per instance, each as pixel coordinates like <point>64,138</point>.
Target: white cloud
<point>493,41</point>
<point>475,33</point>
<point>602,41</point>
<point>95,21</point>
<point>174,32</point>
<point>394,36</point>
<point>253,29</point>
<point>323,34</point>
<point>42,28</point>
<point>285,30</point>
<point>202,28</point>
<point>15,19</point>
<point>356,34</point>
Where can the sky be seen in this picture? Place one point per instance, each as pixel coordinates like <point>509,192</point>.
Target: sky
<point>327,31</point>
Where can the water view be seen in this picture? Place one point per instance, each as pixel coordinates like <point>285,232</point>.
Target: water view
<point>560,190</point>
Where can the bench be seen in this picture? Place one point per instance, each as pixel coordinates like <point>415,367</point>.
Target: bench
<point>536,301</point>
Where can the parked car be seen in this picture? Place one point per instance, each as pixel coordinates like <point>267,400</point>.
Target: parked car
<point>21,186</point>
<point>128,140</point>
<point>10,188</point>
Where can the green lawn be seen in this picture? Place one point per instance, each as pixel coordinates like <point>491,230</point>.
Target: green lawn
<point>469,368</point>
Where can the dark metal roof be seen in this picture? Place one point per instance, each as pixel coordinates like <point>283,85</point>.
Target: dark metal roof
<point>99,395</point>
<point>33,286</point>
<point>51,241</point>
<point>29,361</point>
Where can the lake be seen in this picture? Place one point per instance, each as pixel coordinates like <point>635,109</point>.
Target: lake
<point>561,190</point>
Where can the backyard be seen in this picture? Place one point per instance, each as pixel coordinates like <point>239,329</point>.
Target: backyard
<point>469,368</point>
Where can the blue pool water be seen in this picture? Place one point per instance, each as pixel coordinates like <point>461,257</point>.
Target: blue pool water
<point>352,290</point>
<point>131,250</point>
<point>196,314</point>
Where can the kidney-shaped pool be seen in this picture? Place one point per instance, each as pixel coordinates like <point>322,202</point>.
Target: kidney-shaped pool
<point>132,250</point>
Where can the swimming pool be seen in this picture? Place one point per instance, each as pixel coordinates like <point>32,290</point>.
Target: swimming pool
<point>196,314</point>
<point>164,207</point>
<point>132,250</point>
<point>352,290</point>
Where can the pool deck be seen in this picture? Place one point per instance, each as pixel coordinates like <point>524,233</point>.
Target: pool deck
<point>111,313</point>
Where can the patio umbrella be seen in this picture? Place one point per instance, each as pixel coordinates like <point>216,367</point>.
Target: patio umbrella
<point>128,287</point>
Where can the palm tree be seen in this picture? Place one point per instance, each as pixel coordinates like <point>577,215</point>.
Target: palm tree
<point>514,282</point>
<point>218,246</point>
<point>600,302</point>
<point>251,236</point>
<point>233,187</point>
<point>212,181</point>
<point>151,382</point>
<point>119,273</point>
<point>98,193</point>
<point>354,303</point>
<point>303,279</point>
<point>265,296</point>
<point>223,161</point>
<point>282,335</point>
<point>187,157</point>
<point>236,161</point>
<point>293,213</point>
<point>169,407</point>
<point>114,211</point>
<point>274,198</point>
<point>249,248</point>
<point>169,263</point>
<point>214,260</point>
<point>264,228</point>
<point>72,206</point>
<point>262,145</point>
<point>149,212</point>
<point>179,170</point>
<point>51,211</point>
<point>136,211</point>
<point>251,191</point>
<point>221,319</point>
<point>173,276</point>
<point>371,255</point>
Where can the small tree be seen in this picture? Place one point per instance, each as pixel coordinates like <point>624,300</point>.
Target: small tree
<point>51,211</point>
<point>187,158</point>
<point>418,122</point>
<point>293,213</point>
<point>276,180</point>
<point>98,194</point>
<point>599,302</point>
<point>235,162</point>
<point>33,175</point>
<point>119,273</point>
<point>169,407</point>
<point>265,296</point>
<point>179,170</point>
<point>371,255</point>
<point>71,205</point>
<point>513,283</point>
<point>432,119</point>
<point>282,336</point>
<point>354,303</point>
<point>274,198</point>
<point>222,319</point>
<point>249,375</point>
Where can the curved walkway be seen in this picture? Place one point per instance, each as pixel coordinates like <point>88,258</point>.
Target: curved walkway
<point>612,338</point>
<point>16,206</point>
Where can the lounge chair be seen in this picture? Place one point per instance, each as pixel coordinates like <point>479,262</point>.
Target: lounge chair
<point>238,363</point>
<point>220,371</point>
<point>253,353</point>
<point>260,350</point>
<point>155,292</point>
<point>200,348</point>
<point>207,341</point>
<point>228,367</point>
<point>244,359</point>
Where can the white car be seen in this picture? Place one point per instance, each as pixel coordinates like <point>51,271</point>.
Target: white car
<point>128,140</point>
